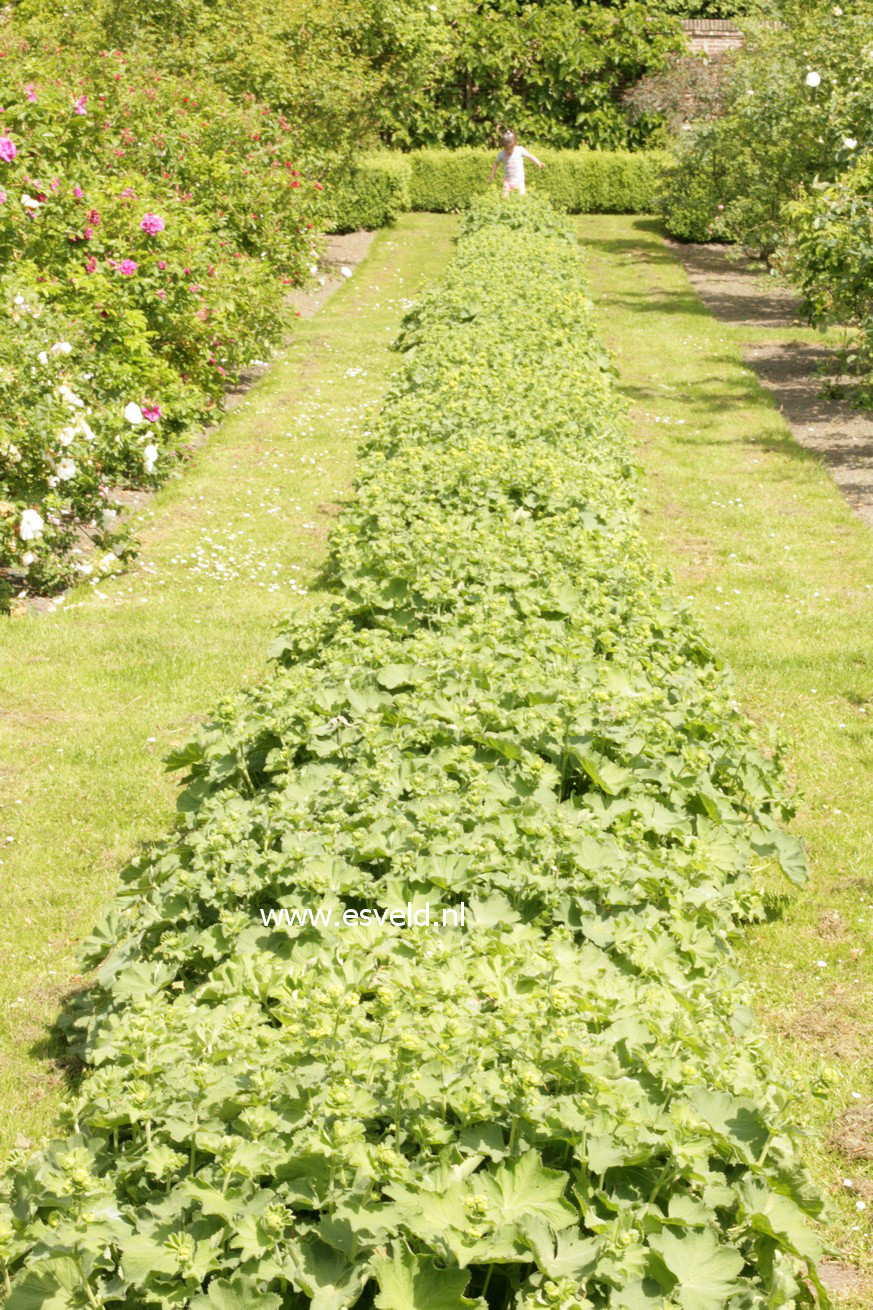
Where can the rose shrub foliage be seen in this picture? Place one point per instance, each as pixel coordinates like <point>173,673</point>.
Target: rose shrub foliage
<point>149,227</point>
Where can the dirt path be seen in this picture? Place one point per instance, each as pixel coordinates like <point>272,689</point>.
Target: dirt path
<point>344,251</point>
<point>738,291</point>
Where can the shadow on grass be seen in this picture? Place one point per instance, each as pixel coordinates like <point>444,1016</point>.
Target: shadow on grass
<point>710,400</point>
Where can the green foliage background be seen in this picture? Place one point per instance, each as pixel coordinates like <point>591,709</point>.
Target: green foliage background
<point>402,72</point>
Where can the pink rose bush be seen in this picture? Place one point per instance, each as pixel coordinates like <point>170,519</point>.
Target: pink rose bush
<point>154,226</point>
<point>152,223</point>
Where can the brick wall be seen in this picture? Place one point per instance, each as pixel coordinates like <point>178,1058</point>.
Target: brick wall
<point>711,36</point>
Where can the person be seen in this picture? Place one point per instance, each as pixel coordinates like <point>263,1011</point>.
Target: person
<point>512,157</point>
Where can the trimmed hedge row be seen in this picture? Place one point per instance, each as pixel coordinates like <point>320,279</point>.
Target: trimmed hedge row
<point>380,186</point>
<point>562,1104</point>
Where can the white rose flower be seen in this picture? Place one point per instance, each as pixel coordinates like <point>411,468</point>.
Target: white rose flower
<point>85,568</point>
<point>19,300</point>
<point>133,413</point>
<point>31,525</point>
<point>86,430</point>
<point>813,79</point>
<point>66,435</point>
<point>150,457</point>
<point>61,348</point>
<point>43,357</point>
<point>313,268</point>
<point>70,397</point>
<point>30,203</point>
<point>66,469</point>
<point>27,558</point>
<point>849,142</point>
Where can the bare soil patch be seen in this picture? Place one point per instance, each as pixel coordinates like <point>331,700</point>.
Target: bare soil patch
<point>739,291</point>
<point>842,1280</point>
<point>345,250</point>
<point>852,1133</point>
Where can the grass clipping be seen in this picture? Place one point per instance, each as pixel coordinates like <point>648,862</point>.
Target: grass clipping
<point>562,1103</point>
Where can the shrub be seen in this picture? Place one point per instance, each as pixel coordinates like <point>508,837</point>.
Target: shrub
<point>370,192</point>
<point>827,252</point>
<point>445,181</point>
<point>148,229</point>
<point>595,182</point>
<point>691,185</point>
<point>797,95</point>
<point>563,1102</point>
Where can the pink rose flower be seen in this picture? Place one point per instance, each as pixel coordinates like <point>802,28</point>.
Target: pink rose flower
<point>78,192</point>
<point>91,265</point>
<point>31,93</point>
<point>2,197</point>
<point>8,149</point>
<point>151,412</point>
<point>161,295</point>
<point>55,183</point>
<point>152,223</point>
<point>128,267</point>
<point>128,193</point>
<point>88,233</point>
<point>162,264</point>
<point>79,105</point>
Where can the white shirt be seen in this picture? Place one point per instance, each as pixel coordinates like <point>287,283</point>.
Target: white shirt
<point>513,165</point>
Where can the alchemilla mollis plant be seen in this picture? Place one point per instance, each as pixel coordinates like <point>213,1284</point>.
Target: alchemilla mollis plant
<point>564,1104</point>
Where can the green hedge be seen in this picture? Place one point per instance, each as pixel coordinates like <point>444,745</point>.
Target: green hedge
<point>382,185</point>
<point>373,193</point>
<point>580,181</point>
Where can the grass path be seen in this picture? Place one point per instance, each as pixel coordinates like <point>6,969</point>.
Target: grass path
<point>781,573</point>
<point>96,693</point>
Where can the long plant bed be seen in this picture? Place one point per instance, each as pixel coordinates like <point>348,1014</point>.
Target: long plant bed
<point>536,1083</point>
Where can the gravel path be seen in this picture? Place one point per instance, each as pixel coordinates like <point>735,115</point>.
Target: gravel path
<point>738,291</point>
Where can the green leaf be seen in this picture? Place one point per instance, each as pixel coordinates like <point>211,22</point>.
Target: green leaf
<point>237,1293</point>
<point>789,853</point>
<point>326,1276</point>
<point>525,1189</point>
<point>49,1286</point>
<point>561,1255</point>
<point>393,676</point>
<point>143,1255</point>
<point>706,1273</point>
<point>779,1217</point>
<point>419,1282</point>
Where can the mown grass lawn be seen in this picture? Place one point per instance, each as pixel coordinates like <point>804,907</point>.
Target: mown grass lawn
<point>781,574</point>
<point>95,694</point>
